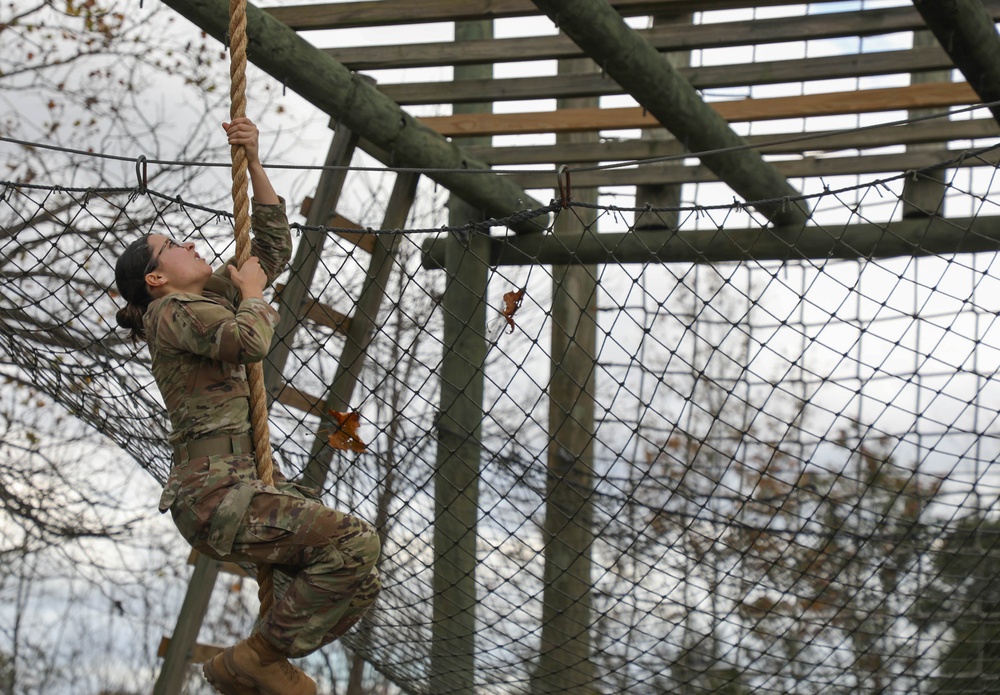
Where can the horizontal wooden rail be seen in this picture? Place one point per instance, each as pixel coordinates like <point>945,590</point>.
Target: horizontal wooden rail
<point>391,12</point>
<point>294,398</point>
<point>662,174</point>
<point>712,77</point>
<point>200,653</point>
<point>664,38</point>
<point>359,238</point>
<point>323,314</point>
<point>938,131</point>
<point>914,237</point>
<point>738,111</point>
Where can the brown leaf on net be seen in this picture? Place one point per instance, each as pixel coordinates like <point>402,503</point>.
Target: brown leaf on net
<point>511,303</point>
<point>345,433</point>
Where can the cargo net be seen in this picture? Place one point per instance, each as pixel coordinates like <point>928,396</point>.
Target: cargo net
<point>728,458</point>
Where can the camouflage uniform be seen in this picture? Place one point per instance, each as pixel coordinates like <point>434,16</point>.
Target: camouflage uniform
<point>324,560</point>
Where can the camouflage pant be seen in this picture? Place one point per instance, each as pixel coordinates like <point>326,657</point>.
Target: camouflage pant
<point>324,560</point>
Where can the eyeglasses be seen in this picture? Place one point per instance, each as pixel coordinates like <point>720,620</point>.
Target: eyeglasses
<point>155,260</point>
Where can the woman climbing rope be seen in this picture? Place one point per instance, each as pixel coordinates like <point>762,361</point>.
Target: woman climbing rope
<point>202,328</point>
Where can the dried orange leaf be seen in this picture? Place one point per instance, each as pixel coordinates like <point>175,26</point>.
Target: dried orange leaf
<point>511,303</point>
<point>345,433</point>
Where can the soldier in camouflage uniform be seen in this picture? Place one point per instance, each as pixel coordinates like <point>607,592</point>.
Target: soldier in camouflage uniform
<point>202,328</point>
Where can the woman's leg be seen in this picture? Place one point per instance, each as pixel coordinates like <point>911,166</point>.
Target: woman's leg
<point>329,556</point>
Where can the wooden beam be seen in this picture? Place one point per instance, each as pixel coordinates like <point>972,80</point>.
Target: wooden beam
<point>807,167</point>
<point>919,237</point>
<point>329,86</point>
<point>391,12</point>
<point>937,131</point>
<point>200,653</point>
<point>966,30</point>
<point>721,35</point>
<point>326,315</point>
<point>360,238</point>
<point>300,400</point>
<point>713,77</point>
<point>737,111</point>
<point>655,84</point>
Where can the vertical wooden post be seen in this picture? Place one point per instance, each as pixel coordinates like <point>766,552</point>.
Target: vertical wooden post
<point>192,615</point>
<point>669,194</point>
<point>456,484</point>
<point>923,193</point>
<point>564,662</point>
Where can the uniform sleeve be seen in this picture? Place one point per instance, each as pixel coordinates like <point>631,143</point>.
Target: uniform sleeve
<point>203,327</point>
<point>271,243</point>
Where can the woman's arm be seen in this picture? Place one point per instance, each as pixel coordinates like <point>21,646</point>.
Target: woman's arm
<point>243,132</point>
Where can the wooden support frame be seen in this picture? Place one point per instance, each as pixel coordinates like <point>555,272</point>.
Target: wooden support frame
<point>295,293</point>
<point>655,84</point>
<point>361,329</point>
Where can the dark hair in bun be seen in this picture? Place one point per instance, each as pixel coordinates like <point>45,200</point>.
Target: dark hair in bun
<point>130,278</point>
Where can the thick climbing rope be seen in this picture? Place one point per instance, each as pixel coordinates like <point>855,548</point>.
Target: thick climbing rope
<point>241,214</point>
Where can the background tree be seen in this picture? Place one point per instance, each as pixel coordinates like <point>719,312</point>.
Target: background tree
<point>961,606</point>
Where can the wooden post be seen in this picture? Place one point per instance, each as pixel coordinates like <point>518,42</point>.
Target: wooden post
<point>192,615</point>
<point>564,663</point>
<point>456,483</point>
<point>662,195</point>
<point>923,193</point>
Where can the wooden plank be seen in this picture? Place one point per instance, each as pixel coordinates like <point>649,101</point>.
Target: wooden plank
<point>294,398</point>
<point>667,39</point>
<point>325,315</point>
<point>360,238</point>
<point>200,653</point>
<point>322,314</point>
<point>348,15</point>
<point>938,131</point>
<point>713,77</point>
<point>800,168</point>
<point>738,111</point>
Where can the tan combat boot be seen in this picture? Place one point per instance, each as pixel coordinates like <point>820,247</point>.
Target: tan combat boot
<point>255,667</point>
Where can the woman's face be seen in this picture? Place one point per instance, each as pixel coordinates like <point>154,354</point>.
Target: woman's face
<point>177,263</point>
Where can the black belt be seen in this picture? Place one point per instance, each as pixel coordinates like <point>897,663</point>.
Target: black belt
<point>214,446</point>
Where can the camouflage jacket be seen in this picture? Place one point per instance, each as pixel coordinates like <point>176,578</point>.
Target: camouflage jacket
<point>199,342</point>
